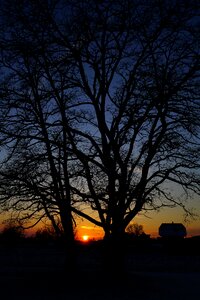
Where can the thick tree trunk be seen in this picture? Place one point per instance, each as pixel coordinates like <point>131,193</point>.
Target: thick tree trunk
<point>114,256</point>
<point>69,242</point>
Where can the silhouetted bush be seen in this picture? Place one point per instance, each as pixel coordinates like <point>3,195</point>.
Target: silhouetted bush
<point>12,234</point>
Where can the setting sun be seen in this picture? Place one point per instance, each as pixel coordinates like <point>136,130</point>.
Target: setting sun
<point>85,238</point>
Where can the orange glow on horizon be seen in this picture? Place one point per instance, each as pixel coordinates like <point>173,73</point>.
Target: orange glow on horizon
<point>150,223</point>
<point>85,238</point>
<point>85,229</point>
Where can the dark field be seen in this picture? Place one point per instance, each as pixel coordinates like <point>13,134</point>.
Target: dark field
<point>153,271</point>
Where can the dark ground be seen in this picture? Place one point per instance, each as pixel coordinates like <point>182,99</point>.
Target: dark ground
<point>153,271</point>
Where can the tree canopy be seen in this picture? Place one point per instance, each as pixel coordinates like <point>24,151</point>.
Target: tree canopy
<point>99,108</point>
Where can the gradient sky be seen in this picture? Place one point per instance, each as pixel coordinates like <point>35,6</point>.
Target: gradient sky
<point>151,222</point>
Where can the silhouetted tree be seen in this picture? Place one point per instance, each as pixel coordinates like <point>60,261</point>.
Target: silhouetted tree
<point>136,68</point>
<point>100,108</point>
<point>135,229</point>
<point>36,108</point>
<point>12,232</point>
